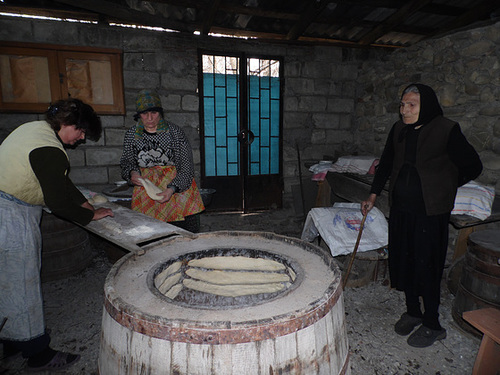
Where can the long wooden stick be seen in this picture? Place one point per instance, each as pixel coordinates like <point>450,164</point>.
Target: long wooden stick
<point>346,276</point>
<point>4,320</point>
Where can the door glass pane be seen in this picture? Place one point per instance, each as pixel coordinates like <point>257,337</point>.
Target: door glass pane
<point>221,115</point>
<point>264,115</point>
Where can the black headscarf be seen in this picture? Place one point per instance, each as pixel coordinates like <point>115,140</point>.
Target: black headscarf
<point>429,107</point>
<point>429,104</point>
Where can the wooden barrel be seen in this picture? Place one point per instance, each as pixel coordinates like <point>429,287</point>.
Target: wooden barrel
<point>479,285</point>
<point>297,330</point>
<point>66,248</point>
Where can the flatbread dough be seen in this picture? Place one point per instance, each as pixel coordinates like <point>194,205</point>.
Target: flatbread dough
<point>173,268</point>
<point>236,277</point>
<point>237,263</point>
<point>236,290</point>
<point>98,198</point>
<point>151,189</point>
<point>169,282</point>
<point>174,291</point>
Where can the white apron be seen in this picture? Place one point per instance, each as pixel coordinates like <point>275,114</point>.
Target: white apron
<point>21,300</point>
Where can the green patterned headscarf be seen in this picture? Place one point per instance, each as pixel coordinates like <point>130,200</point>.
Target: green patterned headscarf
<point>148,100</point>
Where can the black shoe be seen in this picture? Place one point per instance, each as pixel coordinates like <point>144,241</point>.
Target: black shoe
<point>60,361</point>
<point>424,337</point>
<point>406,323</point>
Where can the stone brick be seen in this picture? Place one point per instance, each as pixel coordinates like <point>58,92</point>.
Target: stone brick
<point>293,69</point>
<point>140,79</point>
<point>104,156</point>
<point>51,31</point>
<point>326,120</point>
<point>190,103</point>
<point>115,174</point>
<point>318,137</point>
<point>114,137</point>
<point>172,102</point>
<point>88,175</point>
<point>176,84</point>
<point>112,121</point>
<point>145,61</point>
<point>184,119</point>
<point>338,105</point>
<point>312,103</point>
<point>76,157</point>
<point>316,69</point>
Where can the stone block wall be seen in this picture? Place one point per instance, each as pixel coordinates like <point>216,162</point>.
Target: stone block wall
<point>464,70</point>
<point>337,101</point>
<point>319,89</point>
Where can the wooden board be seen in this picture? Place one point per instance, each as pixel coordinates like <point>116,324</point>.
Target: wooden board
<point>130,229</point>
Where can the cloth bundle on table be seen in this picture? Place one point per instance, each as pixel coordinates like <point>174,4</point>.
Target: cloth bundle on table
<point>475,200</point>
<point>344,164</point>
<point>339,226</point>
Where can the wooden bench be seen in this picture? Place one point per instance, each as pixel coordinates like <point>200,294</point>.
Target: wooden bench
<point>356,188</point>
<point>488,357</point>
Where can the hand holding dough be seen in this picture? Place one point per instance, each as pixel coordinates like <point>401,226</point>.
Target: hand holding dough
<point>151,189</point>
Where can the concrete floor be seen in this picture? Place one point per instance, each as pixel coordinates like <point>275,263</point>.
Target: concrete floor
<point>73,308</point>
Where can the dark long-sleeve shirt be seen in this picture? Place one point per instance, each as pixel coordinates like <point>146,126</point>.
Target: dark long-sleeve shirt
<point>61,196</point>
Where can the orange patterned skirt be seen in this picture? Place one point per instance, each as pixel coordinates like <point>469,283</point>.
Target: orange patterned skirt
<point>183,204</point>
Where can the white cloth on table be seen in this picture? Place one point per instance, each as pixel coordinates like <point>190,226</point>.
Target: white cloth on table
<point>475,200</point>
<point>339,226</point>
<point>345,164</point>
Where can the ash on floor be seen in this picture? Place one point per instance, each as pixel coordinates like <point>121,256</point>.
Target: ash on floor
<point>73,308</point>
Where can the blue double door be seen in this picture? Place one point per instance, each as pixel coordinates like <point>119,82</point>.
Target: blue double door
<point>241,131</point>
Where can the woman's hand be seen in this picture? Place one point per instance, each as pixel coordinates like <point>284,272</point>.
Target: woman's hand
<point>368,204</point>
<point>134,178</point>
<point>102,212</point>
<point>167,193</point>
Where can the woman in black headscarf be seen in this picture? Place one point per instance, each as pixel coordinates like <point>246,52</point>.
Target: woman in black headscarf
<point>427,158</point>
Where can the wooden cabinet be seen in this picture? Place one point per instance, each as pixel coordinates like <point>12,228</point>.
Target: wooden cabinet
<point>34,75</point>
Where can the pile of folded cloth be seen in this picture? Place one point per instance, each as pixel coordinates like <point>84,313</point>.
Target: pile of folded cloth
<point>345,164</point>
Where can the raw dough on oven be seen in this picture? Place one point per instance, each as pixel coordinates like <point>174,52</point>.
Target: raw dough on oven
<point>237,263</point>
<point>221,277</point>
<point>235,290</point>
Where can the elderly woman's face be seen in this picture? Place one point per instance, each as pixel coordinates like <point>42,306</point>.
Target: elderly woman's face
<point>409,107</point>
<point>150,119</point>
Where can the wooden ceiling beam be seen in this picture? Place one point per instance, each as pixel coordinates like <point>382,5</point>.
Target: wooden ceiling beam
<point>480,11</point>
<point>231,7</point>
<point>395,19</point>
<point>126,14</point>
<point>314,9</point>
<point>55,13</point>
<point>209,17</point>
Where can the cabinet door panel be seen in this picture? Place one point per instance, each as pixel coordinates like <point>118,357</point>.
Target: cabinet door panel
<point>93,78</point>
<point>28,79</point>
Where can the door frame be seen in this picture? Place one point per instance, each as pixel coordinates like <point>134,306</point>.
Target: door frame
<point>271,195</point>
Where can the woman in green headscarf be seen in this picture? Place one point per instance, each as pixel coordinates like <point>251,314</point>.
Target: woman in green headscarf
<point>158,150</point>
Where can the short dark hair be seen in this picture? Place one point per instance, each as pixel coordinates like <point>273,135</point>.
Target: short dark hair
<point>75,112</point>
